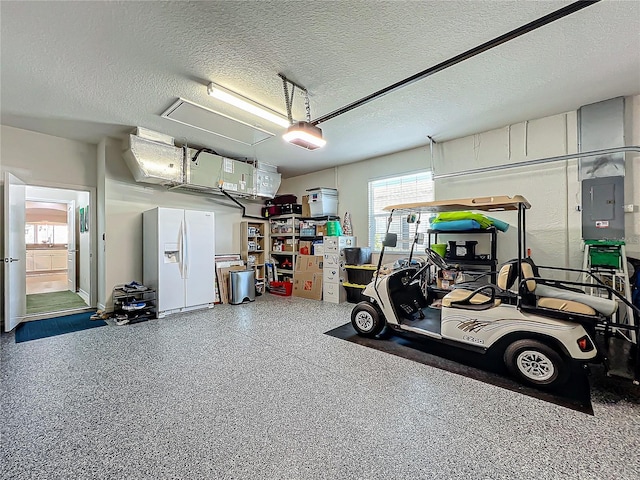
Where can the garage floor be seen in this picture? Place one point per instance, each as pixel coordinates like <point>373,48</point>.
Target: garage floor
<point>258,391</point>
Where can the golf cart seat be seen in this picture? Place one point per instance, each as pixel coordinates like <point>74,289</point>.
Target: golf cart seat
<point>536,294</point>
<point>474,299</point>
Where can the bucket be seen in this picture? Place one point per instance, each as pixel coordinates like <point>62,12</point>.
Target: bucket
<point>333,228</point>
<point>439,248</point>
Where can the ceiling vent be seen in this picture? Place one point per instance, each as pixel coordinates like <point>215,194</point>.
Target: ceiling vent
<point>217,123</point>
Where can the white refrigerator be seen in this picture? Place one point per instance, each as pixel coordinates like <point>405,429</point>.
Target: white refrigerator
<point>179,258</point>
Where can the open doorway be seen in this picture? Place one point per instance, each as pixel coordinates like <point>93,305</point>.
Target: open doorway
<point>57,251</point>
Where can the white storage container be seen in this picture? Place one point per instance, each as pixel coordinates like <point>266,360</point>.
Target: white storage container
<point>323,201</point>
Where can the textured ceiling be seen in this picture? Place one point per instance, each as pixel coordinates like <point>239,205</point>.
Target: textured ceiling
<point>83,70</point>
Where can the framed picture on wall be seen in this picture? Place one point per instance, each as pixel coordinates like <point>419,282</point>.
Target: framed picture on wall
<point>86,218</point>
<point>82,220</point>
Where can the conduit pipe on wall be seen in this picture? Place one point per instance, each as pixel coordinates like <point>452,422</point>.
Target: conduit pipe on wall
<point>539,161</point>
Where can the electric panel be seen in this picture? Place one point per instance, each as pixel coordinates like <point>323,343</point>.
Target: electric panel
<point>603,208</point>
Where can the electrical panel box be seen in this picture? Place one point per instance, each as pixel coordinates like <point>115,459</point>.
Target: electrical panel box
<point>603,208</point>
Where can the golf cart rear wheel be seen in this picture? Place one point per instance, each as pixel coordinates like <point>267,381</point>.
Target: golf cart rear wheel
<point>535,363</point>
<point>366,319</point>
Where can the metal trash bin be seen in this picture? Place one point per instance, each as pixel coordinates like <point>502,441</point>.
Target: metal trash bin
<point>243,286</point>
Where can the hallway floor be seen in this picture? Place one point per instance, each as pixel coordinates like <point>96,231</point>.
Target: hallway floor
<point>46,282</point>
<point>257,391</point>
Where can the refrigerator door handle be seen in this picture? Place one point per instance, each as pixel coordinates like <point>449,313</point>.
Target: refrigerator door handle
<point>181,249</point>
<point>185,235</point>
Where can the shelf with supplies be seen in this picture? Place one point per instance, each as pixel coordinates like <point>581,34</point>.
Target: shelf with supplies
<point>133,304</point>
<point>284,232</point>
<point>253,237</point>
<point>463,253</point>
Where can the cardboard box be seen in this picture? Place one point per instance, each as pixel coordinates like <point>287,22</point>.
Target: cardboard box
<point>321,229</point>
<point>306,209</point>
<point>318,249</point>
<point>305,247</point>
<point>315,264</point>
<point>309,263</point>
<point>307,285</point>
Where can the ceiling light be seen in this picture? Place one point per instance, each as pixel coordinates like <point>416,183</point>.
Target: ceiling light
<point>305,135</point>
<point>246,104</point>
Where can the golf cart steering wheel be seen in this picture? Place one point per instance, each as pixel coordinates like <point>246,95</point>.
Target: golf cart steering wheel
<point>435,259</point>
<point>432,259</point>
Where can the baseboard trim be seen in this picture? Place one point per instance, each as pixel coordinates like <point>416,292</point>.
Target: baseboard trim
<point>84,295</point>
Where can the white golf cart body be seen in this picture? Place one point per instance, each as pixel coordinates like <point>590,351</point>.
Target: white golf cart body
<point>480,329</point>
<point>538,339</point>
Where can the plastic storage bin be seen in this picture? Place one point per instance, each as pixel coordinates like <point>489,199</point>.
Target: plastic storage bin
<point>357,255</point>
<point>360,274</point>
<point>462,249</point>
<point>354,292</point>
<point>605,256</point>
<point>284,289</point>
<point>323,201</point>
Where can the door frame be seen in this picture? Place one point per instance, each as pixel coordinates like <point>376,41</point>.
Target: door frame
<point>93,259</point>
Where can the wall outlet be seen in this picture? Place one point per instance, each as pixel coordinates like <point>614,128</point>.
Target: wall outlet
<point>630,208</point>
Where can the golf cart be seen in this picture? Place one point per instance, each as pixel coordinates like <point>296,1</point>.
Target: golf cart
<point>538,325</point>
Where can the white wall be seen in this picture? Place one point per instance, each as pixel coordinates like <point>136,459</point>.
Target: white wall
<point>632,175</point>
<point>125,200</point>
<point>117,207</point>
<point>352,183</point>
<point>553,223</point>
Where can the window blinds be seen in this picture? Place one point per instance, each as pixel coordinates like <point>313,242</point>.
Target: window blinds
<point>416,187</point>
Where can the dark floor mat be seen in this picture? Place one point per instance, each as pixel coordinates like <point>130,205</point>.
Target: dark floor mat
<point>50,327</point>
<point>575,394</point>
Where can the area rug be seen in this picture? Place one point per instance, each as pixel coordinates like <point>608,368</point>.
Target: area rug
<point>54,302</point>
<point>50,327</point>
<point>575,394</point>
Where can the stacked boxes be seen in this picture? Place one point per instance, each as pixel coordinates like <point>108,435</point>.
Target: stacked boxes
<point>307,278</point>
<point>334,273</point>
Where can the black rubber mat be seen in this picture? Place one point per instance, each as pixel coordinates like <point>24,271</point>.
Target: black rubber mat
<point>488,368</point>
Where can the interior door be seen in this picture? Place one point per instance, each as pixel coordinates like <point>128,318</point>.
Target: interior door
<point>15,251</point>
<point>71,246</point>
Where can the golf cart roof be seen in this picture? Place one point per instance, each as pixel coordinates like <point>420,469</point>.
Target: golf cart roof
<point>485,204</point>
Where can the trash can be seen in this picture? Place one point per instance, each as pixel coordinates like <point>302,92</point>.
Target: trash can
<point>243,286</point>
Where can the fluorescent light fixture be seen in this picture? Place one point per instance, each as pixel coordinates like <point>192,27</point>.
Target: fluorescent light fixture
<point>305,135</point>
<point>246,104</point>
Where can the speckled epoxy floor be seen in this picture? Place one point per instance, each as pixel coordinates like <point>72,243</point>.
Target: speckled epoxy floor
<point>256,391</point>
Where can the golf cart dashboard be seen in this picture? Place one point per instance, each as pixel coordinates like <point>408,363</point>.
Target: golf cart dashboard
<point>400,279</point>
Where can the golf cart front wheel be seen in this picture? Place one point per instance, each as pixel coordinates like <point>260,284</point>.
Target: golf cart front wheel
<point>367,321</point>
<point>535,363</point>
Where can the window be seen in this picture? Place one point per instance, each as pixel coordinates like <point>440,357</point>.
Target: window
<point>416,187</point>
<point>45,233</point>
